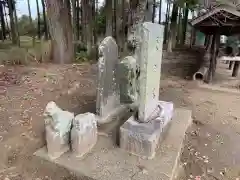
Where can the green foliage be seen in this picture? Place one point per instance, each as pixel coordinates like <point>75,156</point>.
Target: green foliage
<point>191,4</point>
<point>81,56</point>
<point>25,28</point>
<point>101,21</point>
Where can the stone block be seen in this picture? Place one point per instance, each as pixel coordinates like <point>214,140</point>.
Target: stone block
<point>56,144</point>
<point>141,139</point>
<point>57,128</point>
<point>83,134</point>
<point>127,80</point>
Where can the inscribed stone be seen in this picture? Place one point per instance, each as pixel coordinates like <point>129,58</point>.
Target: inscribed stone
<point>107,87</point>
<point>83,134</point>
<point>149,56</point>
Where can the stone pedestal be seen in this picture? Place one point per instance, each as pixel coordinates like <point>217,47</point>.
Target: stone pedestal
<point>142,139</point>
<point>83,134</point>
<point>56,144</point>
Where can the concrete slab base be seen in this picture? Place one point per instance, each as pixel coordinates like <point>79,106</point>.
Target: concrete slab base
<point>106,161</point>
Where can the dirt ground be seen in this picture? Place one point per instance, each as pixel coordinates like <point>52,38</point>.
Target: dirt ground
<point>210,150</point>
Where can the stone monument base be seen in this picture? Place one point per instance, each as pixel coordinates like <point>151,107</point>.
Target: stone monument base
<point>106,161</point>
<point>142,139</point>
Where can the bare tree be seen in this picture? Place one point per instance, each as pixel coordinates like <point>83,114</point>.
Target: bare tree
<point>173,28</point>
<point>185,20</point>
<point>13,23</point>
<point>3,26</point>
<point>160,12</point>
<point>109,17</point>
<point>31,22</point>
<point>166,22</point>
<point>44,20</point>
<point>38,21</point>
<point>154,11</point>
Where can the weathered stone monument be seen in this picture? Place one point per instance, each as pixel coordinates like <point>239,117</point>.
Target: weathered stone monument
<point>83,134</point>
<point>108,97</point>
<point>140,134</point>
<point>57,128</point>
<point>127,80</point>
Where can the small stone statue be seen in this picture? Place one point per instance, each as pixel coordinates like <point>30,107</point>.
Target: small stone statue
<point>57,126</point>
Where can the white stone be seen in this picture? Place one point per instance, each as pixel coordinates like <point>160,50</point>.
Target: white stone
<point>57,128</point>
<point>167,112</point>
<point>58,119</point>
<point>149,56</point>
<point>83,134</point>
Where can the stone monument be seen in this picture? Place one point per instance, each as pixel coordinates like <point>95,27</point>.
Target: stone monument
<point>57,128</point>
<point>140,134</point>
<point>108,97</point>
<point>83,134</point>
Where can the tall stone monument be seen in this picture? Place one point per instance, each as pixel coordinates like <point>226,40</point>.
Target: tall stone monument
<point>108,96</point>
<point>141,133</point>
<point>149,57</point>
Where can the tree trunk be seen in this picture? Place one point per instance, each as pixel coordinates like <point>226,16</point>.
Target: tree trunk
<point>3,27</point>
<point>87,13</point>
<point>166,23</point>
<point>124,32</point>
<point>179,29</point>
<point>60,27</point>
<point>78,19</point>
<point>83,22</point>
<point>185,24</point>
<point>173,28</point>
<point>45,21</point>
<point>154,11</point>
<point>31,22</point>
<point>114,23</point>
<point>6,20</point>
<point>160,12</point>
<point>11,6</point>
<point>212,66</point>
<point>95,28</point>
<point>16,25</point>
<point>109,17</point>
<point>149,10</point>
<point>38,21</point>
<point>74,24</point>
<point>140,13</point>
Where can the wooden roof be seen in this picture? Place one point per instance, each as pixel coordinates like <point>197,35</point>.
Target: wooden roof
<point>223,18</point>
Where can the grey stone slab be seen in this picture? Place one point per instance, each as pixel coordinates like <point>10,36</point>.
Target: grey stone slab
<point>149,57</point>
<point>127,80</point>
<point>107,87</point>
<point>83,134</point>
<point>107,162</point>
